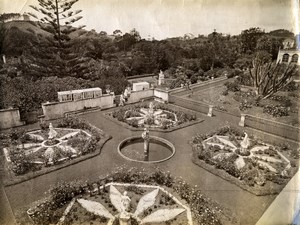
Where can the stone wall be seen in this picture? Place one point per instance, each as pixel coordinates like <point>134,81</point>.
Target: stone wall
<point>197,87</point>
<point>137,96</point>
<point>58,109</point>
<point>10,118</point>
<point>162,94</point>
<point>272,127</point>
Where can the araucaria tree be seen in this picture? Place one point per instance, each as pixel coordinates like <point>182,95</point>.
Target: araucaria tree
<point>54,56</point>
<point>269,77</point>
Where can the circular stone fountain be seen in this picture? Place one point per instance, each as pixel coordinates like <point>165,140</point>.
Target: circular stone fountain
<point>146,149</point>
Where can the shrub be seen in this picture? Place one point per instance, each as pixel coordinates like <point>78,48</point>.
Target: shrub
<point>276,110</point>
<point>294,154</point>
<point>64,192</point>
<point>73,122</point>
<point>229,165</point>
<point>90,146</point>
<point>292,86</point>
<point>134,122</point>
<point>233,86</point>
<point>284,101</point>
<point>275,178</point>
<point>245,105</point>
<point>44,126</point>
<point>225,92</point>
<point>148,121</point>
<point>194,78</point>
<point>15,134</point>
<point>21,162</point>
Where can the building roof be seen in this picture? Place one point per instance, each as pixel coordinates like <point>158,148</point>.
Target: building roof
<point>78,91</point>
<point>140,83</point>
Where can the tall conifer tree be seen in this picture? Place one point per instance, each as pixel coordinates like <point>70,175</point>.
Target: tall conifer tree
<point>54,56</point>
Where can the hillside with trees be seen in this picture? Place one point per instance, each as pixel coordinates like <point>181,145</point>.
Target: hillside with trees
<point>51,55</point>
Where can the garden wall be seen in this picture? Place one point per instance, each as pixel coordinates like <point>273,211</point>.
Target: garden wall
<point>137,96</point>
<point>57,110</point>
<point>10,118</point>
<point>189,104</point>
<point>198,86</point>
<point>267,130</point>
<point>163,94</point>
<point>272,127</point>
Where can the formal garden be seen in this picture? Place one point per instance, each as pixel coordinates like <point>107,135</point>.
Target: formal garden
<point>154,115</point>
<point>250,163</point>
<point>50,147</point>
<point>127,196</point>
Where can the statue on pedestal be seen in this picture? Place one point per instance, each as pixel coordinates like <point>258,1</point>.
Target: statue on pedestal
<point>122,100</point>
<point>151,108</point>
<point>52,133</point>
<point>146,137</point>
<point>245,145</point>
<point>124,215</point>
<point>161,78</point>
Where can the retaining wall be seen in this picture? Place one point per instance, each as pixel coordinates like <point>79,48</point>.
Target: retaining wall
<point>189,104</point>
<point>272,127</point>
<point>10,118</point>
<point>197,87</point>
<point>137,96</point>
<point>163,94</point>
<point>57,110</point>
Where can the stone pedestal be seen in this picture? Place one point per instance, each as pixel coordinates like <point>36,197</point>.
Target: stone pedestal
<point>161,78</point>
<point>146,150</point>
<point>242,121</point>
<point>210,111</point>
<point>124,219</point>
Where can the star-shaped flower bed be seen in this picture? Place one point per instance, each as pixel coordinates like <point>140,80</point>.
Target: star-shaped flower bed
<point>71,140</point>
<point>160,116</point>
<point>261,168</point>
<point>126,196</point>
<point>147,204</point>
<point>36,146</point>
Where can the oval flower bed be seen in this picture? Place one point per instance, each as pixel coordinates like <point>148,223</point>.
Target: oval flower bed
<point>127,195</point>
<point>155,116</point>
<point>35,150</point>
<point>260,168</point>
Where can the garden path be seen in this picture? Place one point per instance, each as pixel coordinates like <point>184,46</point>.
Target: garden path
<point>246,206</point>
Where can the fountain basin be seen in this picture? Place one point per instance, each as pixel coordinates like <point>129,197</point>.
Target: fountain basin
<point>132,149</point>
<point>51,143</point>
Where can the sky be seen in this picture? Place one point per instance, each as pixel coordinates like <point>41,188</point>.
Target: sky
<point>172,18</point>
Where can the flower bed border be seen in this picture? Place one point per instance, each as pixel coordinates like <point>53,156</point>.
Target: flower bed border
<point>12,179</point>
<point>224,175</point>
<point>177,127</point>
<point>132,175</point>
<point>270,188</point>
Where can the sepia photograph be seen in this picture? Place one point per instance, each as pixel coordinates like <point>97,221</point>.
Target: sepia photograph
<point>149,112</point>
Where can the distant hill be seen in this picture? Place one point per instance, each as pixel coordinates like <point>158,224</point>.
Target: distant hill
<point>282,34</point>
<point>19,34</point>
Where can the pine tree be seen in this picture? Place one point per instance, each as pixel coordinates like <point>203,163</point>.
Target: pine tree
<point>54,56</point>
